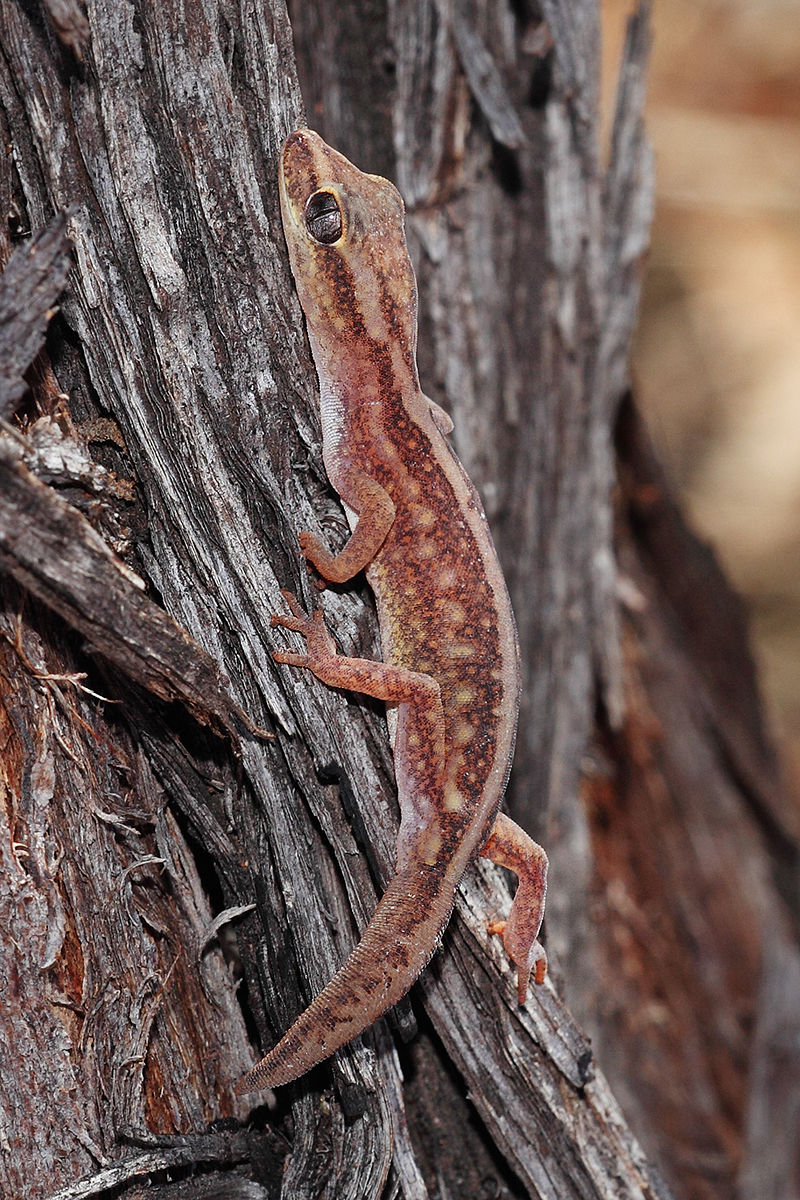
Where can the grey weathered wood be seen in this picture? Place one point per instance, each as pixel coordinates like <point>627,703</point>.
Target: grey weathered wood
<point>29,287</point>
<point>53,552</point>
<point>180,322</point>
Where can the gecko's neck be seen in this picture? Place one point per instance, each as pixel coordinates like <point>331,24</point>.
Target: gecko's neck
<point>364,392</point>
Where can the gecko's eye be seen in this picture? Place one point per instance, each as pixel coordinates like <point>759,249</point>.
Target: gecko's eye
<point>324,218</point>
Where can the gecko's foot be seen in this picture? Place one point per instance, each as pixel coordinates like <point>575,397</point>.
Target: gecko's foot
<point>319,643</point>
<point>528,955</point>
<point>299,621</point>
<point>319,558</point>
<point>310,545</point>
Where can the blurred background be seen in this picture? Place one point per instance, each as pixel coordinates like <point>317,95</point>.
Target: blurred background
<point>716,364</point>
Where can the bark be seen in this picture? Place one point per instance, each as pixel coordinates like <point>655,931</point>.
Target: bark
<point>176,885</point>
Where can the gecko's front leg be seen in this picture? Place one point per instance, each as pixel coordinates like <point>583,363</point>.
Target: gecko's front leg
<point>392,684</point>
<point>376,513</point>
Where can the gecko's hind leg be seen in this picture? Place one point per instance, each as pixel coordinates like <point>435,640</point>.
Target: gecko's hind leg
<point>421,718</point>
<point>419,734</point>
<point>511,847</point>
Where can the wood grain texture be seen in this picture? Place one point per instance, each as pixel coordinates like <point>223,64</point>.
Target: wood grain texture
<point>180,324</point>
<point>53,552</point>
<point>111,998</point>
<point>188,334</point>
<point>31,283</point>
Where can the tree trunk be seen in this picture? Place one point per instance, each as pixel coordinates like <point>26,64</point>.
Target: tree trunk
<point>177,881</point>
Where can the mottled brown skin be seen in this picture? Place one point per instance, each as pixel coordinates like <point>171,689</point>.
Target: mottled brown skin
<point>450,675</point>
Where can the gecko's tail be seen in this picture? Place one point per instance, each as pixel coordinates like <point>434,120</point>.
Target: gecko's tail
<point>394,950</point>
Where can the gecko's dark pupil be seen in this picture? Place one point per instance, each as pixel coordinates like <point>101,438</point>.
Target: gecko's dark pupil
<point>324,218</point>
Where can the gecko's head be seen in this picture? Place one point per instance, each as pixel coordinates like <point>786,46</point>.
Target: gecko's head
<point>346,238</point>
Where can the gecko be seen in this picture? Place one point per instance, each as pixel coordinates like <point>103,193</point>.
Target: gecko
<point>449,673</point>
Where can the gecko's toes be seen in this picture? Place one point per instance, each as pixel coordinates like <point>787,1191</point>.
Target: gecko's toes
<point>534,963</point>
<point>528,955</point>
<point>299,621</point>
<point>294,605</point>
<point>289,659</point>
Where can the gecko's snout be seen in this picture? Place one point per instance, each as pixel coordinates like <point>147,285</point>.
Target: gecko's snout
<point>296,138</point>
